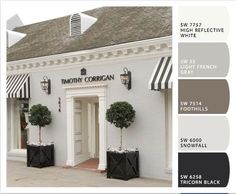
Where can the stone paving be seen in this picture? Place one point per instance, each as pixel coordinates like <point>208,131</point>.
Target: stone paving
<point>18,175</point>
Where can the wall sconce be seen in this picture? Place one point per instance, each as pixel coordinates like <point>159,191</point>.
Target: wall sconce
<point>126,78</point>
<point>46,85</point>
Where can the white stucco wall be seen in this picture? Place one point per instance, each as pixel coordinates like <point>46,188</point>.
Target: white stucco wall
<point>8,125</point>
<point>147,133</point>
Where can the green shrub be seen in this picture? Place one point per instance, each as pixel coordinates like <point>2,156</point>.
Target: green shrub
<point>122,115</point>
<point>39,116</point>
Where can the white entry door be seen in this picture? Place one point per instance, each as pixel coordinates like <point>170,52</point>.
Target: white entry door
<point>80,137</point>
<point>73,93</point>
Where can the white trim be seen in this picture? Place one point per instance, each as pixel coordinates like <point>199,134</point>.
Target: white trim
<point>168,123</point>
<point>69,60</point>
<point>15,124</point>
<point>17,155</point>
<point>91,130</point>
<point>76,86</point>
<point>70,132</point>
<point>168,170</point>
<point>75,91</point>
<point>13,120</point>
<point>89,113</point>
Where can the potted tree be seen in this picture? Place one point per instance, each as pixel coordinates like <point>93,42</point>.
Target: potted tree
<point>122,163</point>
<point>40,155</point>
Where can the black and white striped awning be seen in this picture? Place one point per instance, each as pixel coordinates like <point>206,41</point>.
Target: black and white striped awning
<point>18,86</point>
<point>162,75</point>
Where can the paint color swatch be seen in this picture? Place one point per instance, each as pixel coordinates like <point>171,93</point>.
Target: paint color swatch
<point>203,59</point>
<point>203,133</point>
<point>203,170</point>
<point>203,96</point>
<point>203,23</point>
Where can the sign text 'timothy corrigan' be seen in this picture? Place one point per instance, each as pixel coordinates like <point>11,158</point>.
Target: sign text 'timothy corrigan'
<point>86,79</point>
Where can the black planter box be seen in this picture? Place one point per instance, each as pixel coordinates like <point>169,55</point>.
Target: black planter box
<point>40,156</point>
<point>122,165</point>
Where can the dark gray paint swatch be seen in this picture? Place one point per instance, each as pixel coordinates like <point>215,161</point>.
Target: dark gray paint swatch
<point>203,59</point>
<point>203,170</point>
<point>203,96</point>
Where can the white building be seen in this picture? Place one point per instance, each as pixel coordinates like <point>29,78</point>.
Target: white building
<point>102,42</point>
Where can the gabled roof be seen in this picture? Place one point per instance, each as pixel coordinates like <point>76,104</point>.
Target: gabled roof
<point>115,25</point>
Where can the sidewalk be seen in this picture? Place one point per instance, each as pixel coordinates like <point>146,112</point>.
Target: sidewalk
<point>18,175</point>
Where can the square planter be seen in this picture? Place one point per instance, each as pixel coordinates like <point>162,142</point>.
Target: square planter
<point>40,155</point>
<point>123,165</point>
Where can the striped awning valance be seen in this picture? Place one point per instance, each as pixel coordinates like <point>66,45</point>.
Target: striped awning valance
<point>18,86</point>
<point>162,75</point>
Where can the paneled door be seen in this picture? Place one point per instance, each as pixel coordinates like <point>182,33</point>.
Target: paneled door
<point>80,139</point>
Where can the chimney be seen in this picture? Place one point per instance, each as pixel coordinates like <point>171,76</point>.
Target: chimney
<point>14,22</point>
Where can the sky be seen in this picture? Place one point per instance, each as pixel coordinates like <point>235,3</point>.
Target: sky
<point>36,11</point>
<point>32,11</point>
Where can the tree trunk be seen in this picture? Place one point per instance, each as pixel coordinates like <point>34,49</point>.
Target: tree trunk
<point>121,146</point>
<point>40,139</point>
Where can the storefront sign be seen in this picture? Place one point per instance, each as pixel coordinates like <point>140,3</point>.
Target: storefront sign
<point>88,79</point>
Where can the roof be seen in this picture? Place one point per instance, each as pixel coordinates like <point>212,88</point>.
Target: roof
<point>115,25</point>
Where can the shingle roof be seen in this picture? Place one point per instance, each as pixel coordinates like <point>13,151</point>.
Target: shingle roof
<point>115,25</point>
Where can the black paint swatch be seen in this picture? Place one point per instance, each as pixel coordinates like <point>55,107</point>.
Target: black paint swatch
<point>203,170</point>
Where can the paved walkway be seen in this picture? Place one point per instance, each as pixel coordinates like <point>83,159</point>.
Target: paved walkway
<point>18,175</point>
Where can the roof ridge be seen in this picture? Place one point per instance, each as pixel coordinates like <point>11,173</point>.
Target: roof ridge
<point>48,20</point>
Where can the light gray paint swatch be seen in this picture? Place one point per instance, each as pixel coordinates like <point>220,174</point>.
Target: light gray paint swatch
<point>203,59</point>
<point>201,133</point>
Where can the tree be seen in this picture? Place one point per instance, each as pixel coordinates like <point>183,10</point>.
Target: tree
<point>39,116</point>
<point>122,115</point>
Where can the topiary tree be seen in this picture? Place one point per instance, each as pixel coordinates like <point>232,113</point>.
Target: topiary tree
<point>39,116</point>
<point>122,115</point>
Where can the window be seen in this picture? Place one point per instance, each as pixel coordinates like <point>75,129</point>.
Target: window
<point>19,124</point>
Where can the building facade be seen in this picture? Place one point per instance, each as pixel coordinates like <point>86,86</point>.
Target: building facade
<point>84,69</point>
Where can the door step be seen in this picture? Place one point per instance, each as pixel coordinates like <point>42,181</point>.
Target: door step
<point>90,165</point>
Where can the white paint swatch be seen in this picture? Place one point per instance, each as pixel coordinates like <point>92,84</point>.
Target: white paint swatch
<point>210,133</point>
